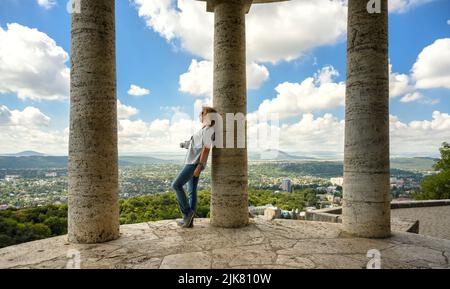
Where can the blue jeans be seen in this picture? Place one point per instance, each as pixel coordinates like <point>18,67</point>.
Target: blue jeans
<point>186,176</point>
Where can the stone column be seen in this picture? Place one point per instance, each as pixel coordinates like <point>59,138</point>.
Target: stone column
<point>366,202</point>
<point>93,155</point>
<point>229,198</point>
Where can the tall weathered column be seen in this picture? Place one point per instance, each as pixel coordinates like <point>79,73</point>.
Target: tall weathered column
<point>229,198</point>
<point>93,155</point>
<point>366,204</point>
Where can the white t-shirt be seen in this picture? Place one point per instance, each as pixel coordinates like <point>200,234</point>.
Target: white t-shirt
<point>203,137</point>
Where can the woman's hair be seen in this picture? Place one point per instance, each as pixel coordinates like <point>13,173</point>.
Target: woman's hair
<point>206,110</point>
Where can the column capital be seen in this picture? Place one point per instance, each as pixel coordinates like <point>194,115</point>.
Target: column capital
<point>210,4</point>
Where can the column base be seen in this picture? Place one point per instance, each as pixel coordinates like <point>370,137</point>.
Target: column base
<point>226,218</point>
<point>366,219</point>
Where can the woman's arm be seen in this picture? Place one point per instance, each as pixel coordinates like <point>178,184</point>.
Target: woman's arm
<point>203,159</point>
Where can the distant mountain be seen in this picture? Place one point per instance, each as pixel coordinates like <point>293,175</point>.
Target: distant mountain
<point>413,164</point>
<point>276,155</point>
<point>138,160</point>
<point>60,162</point>
<point>32,162</point>
<point>35,160</point>
<point>26,154</point>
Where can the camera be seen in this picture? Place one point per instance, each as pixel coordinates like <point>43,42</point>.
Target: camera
<point>185,144</point>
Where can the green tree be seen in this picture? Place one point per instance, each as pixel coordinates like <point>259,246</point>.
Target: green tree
<point>444,162</point>
<point>57,225</point>
<point>438,186</point>
<point>435,187</point>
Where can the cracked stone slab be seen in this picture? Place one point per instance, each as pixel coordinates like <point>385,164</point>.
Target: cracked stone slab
<point>245,255</point>
<point>334,246</point>
<point>295,261</point>
<point>265,244</point>
<point>198,260</point>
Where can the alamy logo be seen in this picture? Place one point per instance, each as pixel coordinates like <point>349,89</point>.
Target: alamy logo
<point>375,261</point>
<point>74,261</point>
<point>374,6</point>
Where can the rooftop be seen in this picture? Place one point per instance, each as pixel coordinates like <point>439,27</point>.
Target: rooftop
<point>263,244</point>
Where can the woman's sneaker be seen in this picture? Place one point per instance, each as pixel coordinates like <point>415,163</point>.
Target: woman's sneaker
<point>191,225</point>
<point>189,220</point>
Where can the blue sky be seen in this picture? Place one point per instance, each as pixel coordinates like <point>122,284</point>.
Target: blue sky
<point>155,47</point>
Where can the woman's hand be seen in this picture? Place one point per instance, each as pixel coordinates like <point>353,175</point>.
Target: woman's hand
<point>197,171</point>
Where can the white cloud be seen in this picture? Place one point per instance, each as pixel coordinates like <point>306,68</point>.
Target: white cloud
<point>399,84</point>
<point>32,65</point>
<point>312,94</point>
<point>138,91</point>
<point>198,80</point>
<point>125,111</point>
<point>402,6</point>
<point>410,97</point>
<point>29,117</point>
<point>256,75</point>
<point>47,4</point>
<point>157,135</point>
<point>28,129</point>
<point>323,133</point>
<point>273,32</point>
<point>326,134</point>
<point>419,137</point>
<point>432,67</point>
<point>286,31</point>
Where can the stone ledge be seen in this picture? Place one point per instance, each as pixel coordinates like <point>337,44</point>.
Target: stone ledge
<point>262,244</point>
<point>333,215</point>
<point>419,204</point>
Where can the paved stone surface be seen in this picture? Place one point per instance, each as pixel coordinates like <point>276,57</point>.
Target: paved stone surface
<point>433,221</point>
<point>262,244</point>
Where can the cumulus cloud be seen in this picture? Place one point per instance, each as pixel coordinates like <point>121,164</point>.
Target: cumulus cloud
<point>138,91</point>
<point>125,111</point>
<point>312,94</point>
<point>28,129</point>
<point>402,6</point>
<point>323,133</point>
<point>29,117</point>
<point>47,4</point>
<point>198,80</point>
<point>157,135</point>
<point>326,133</point>
<point>431,70</point>
<point>421,137</point>
<point>32,65</point>
<point>410,97</point>
<point>277,31</point>
<point>432,67</point>
<point>273,32</point>
<point>399,84</point>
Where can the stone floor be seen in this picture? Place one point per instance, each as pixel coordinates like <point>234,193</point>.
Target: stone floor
<point>263,244</point>
<point>433,221</point>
